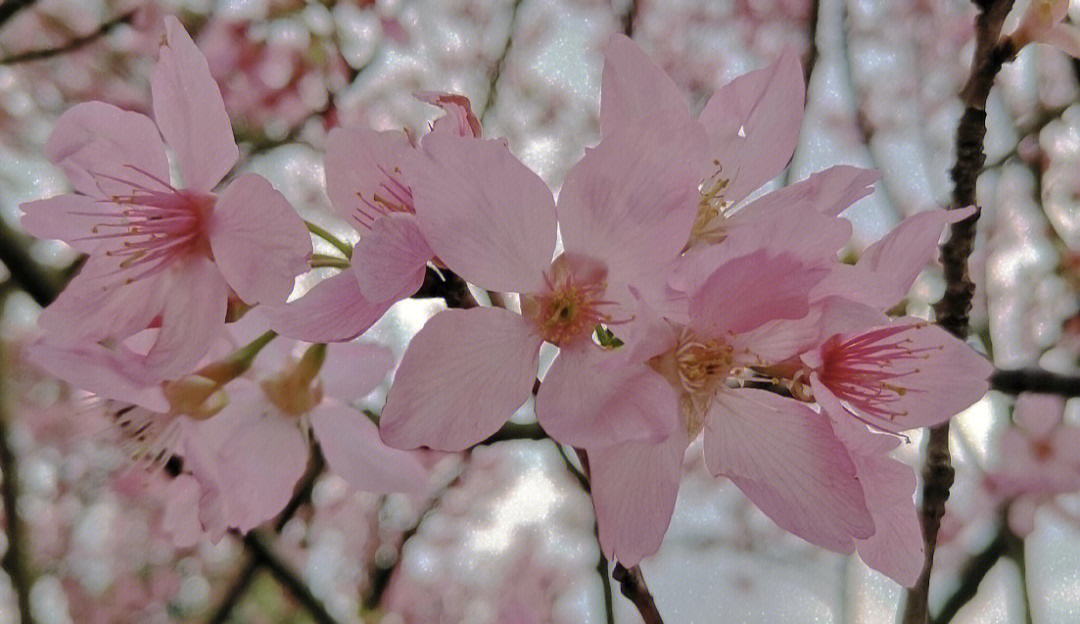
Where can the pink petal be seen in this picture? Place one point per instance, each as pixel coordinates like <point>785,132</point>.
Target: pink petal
<point>94,368</point>
<point>1038,414</point>
<point>861,285</point>
<point>582,403</point>
<point>1064,37</point>
<point>459,119</point>
<point>631,201</point>
<point>181,518</point>
<point>357,165</point>
<point>634,487</point>
<point>749,291</point>
<point>105,151</point>
<point>192,318</point>
<point>463,375</point>
<point>190,112</point>
<point>829,192</point>
<point>334,310</point>
<point>765,107</point>
<point>905,251</point>
<point>261,461</point>
<point>391,256</point>
<point>485,215</point>
<point>65,218</point>
<point>353,369</point>
<point>795,229</point>
<point>633,88</point>
<point>786,458</point>
<point>354,452</point>
<point>259,242</point>
<point>93,307</point>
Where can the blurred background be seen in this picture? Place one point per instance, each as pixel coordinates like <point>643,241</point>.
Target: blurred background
<point>505,533</point>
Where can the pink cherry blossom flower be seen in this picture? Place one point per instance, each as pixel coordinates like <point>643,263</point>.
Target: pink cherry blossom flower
<point>894,375</point>
<point>783,455</point>
<point>1040,460</point>
<point>367,187</point>
<point>624,210</point>
<point>158,251</point>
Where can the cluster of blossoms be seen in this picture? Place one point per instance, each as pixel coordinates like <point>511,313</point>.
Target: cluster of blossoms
<point>681,304</point>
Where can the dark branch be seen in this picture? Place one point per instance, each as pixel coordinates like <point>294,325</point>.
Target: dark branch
<point>235,592</point>
<point>41,283</point>
<point>632,585</point>
<point>71,46</point>
<point>11,7</point>
<point>15,559</point>
<point>1004,543</point>
<point>287,577</point>
<point>1035,380</point>
<point>449,287</point>
<point>497,69</point>
<point>955,305</point>
<point>629,19</point>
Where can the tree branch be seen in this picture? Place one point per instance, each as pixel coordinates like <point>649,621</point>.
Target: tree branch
<point>11,7</point>
<point>287,577</point>
<point>71,46</point>
<point>632,585</point>
<point>496,70</point>
<point>955,305</point>
<point>972,575</point>
<point>41,283</point>
<point>14,561</point>
<point>1035,380</point>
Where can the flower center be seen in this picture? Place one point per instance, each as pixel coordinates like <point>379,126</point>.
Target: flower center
<point>391,196</point>
<point>569,308</point>
<point>154,227</point>
<point>868,370</point>
<point>297,389</point>
<point>699,368</point>
<point>712,208</point>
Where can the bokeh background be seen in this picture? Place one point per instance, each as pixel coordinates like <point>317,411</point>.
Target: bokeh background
<point>505,533</point>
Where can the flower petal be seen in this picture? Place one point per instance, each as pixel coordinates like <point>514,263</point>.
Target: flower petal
<point>485,215</point>
<point>747,292</point>
<point>459,119</point>
<point>463,375</point>
<point>1038,414</point>
<point>70,218</point>
<point>94,368</point>
<point>754,121</point>
<point>634,487</point>
<point>93,307</point>
<point>192,317</point>
<point>786,458</point>
<point>354,452</point>
<point>391,256</point>
<point>905,251</point>
<point>190,112</point>
<point>334,310</point>
<point>829,192</point>
<point>359,166</point>
<point>584,404</point>
<point>259,242</point>
<point>634,89</point>
<point>631,201</point>
<point>353,369</point>
<point>106,151</point>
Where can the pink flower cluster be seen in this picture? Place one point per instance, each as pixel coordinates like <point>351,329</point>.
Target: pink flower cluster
<point>682,303</point>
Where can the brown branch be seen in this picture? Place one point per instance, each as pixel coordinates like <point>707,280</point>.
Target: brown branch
<point>1035,380</point>
<point>287,577</point>
<point>71,46</point>
<point>14,561</point>
<point>448,286</point>
<point>632,585</point>
<point>41,283</point>
<point>497,69</point>
<point>953,309</point>
<point>972,575</point>
<point>630,17</point>
<point>11,7</point>
<point>235,592</point>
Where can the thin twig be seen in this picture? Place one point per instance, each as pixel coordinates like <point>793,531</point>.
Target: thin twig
<point>383,575</point>
<point>972,574</point>
<point>14,561</point>
<point>70,46</point>
<point>41,283</point>
<point>497,69</point>
<point>235,592</point>
<point>1035,380</point>
<point>605,580</point>
<point>953,309</point>
<point>630,17</point>
<point>632,585</point>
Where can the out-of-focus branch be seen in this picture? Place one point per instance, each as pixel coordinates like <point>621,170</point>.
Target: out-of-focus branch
<point>235,592</point>
<point>14,561</point>
<point>70,46</point>
<point>972,575</point>
<point>1035,380</point>
<point>41,283</point>
<point>383,575</point>
<point>629,18</point>
<point>1034,127</point>
<point>497,69</point>
<point>516,431</point>
<point>9,8</point>
<point>955,305</point>
<point>812,52</point>
<point>287,577</point>
<point>632,585</point>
